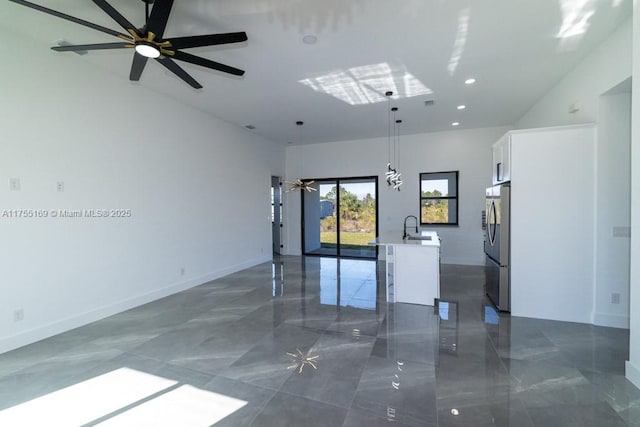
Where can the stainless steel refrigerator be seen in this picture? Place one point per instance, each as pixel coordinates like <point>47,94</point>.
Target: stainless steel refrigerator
<point>496,246</point>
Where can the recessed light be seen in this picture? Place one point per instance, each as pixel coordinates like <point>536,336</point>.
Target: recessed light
<point>309,39</point>
<point>470,81</point>
<point>455,124</point>
<point>461,107</point>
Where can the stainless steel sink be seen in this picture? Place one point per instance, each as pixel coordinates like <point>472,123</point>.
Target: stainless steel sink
<point>418,237</point>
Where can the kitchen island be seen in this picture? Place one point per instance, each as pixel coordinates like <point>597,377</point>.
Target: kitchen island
<point>412,267</point>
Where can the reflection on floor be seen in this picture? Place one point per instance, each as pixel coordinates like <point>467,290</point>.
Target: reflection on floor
<point>364,363</point>
<point>351,251</point>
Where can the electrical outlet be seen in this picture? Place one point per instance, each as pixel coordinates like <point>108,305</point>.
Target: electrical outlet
<point>18,315</point>
<point>615,298</point>
<point>182,271</point>
<point>14,184</point>
<point>621,231</point>
<point>60,187</point>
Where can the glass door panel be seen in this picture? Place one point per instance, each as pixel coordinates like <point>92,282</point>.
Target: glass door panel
<point>340,219</point>
<point>320,220</point>
<point>358,216</point>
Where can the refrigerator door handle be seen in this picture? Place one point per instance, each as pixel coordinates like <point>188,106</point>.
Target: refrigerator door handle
<point>492,223</point>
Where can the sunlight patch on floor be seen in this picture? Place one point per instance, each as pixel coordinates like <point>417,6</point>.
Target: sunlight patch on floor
<point>101,396</point>
<point>185,406</point>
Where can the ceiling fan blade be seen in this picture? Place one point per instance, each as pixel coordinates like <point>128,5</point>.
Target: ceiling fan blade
<point>187,57</point>
<point>207,40</point>
<point>175,68</point>
<point>100,46</point>
<point>115,15</point>
<point>159,17</point>
<point>70,18</point>
<point>137,66</point>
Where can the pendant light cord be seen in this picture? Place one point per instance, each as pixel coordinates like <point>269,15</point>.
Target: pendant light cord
<point>300,152</point>
<point>398,143</point>
<point>395,127</point>
<point>388,95</point>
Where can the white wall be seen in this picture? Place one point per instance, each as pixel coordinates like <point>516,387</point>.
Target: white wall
<point>468,151</point>
<point>197,187</point>
<point>613,195</point>
<point>602,69</point>
<point>590,84</point>
<point>633,365</point>
<point>552,217</point>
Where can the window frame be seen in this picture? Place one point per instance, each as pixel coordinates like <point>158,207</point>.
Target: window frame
<point>422,177</point>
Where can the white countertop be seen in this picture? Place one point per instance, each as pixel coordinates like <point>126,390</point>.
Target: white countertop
<point>395,238</point>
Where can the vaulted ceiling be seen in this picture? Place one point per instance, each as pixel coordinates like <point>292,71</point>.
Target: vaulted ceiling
<point>330,62</point>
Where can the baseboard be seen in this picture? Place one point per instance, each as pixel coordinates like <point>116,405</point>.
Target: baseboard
<point>611,320</point>
<point>632,372</point>
<point>59,326</point>
<point>295,252</point>
<point>462,261</point>
<point>519,312</point>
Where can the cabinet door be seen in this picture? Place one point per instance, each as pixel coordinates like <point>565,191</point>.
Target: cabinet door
<point>417,274</point>
<point>506,160</point>
<point>501,169</point>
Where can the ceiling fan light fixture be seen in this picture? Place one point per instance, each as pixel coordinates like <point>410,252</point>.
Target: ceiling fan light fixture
<point>148,40</point>
<point>147,49</point>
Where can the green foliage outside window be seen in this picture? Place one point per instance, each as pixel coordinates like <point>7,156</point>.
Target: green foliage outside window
<point>436,206</point>
<point>356,215</point>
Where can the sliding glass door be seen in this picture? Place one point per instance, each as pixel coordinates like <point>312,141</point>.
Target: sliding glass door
<point>340,219</point>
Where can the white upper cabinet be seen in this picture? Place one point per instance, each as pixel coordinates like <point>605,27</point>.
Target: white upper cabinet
<point>501,170</point>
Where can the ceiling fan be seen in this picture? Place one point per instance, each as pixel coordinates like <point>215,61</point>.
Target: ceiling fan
<point>148,42</point>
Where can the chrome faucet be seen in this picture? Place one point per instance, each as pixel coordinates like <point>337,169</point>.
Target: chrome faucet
<point>404,232</point>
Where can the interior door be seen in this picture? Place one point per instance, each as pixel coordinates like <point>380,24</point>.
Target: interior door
<point>276,214</point>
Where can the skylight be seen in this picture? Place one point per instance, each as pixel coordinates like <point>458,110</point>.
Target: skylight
<point>367,84</point>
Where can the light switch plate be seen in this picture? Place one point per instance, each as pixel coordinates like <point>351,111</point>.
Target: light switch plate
<point>14,184</point>
<point>615,298</point>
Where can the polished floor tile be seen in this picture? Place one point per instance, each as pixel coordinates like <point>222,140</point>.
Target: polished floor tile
<point>312,342</point>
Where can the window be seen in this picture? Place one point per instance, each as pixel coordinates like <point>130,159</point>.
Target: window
<point>439,198</point>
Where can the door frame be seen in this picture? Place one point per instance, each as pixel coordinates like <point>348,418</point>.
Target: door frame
<point>276,231</point>
<point>373,178</point>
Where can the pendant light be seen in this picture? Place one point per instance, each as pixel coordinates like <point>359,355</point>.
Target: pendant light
<point>390,172</point>
<point>397,182</point>
<point>299,184</point>
<point>393,172</point>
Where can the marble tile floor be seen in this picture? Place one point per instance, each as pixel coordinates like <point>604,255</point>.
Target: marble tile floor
<point>312,342</point>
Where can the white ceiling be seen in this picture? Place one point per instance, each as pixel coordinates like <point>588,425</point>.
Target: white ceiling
<point>422,49</point>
